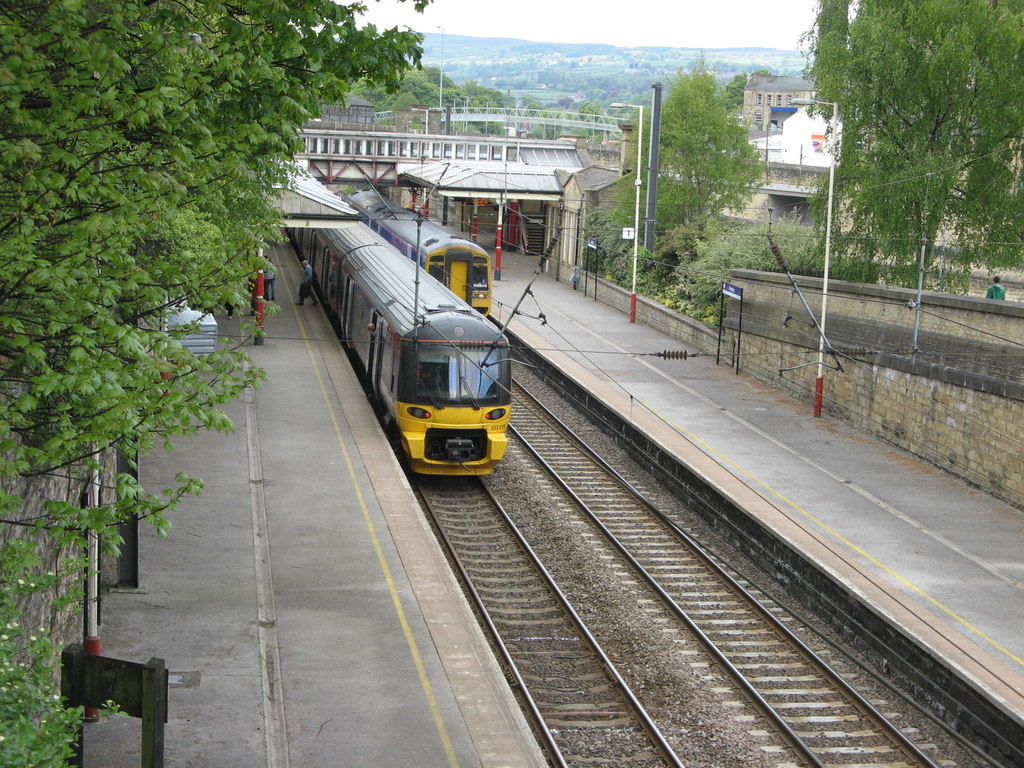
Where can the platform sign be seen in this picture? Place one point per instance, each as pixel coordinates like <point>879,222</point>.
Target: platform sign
<point>628,233</point>
<point>732,291</point>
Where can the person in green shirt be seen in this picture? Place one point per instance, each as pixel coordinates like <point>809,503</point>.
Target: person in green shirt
<point>996,291</point>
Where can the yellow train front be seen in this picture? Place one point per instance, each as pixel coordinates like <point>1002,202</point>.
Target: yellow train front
<point>453,402</point>
<point>436,369</point>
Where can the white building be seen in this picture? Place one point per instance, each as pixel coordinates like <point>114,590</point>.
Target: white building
<point>804,140</point>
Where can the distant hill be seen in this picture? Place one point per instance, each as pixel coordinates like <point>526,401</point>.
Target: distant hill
<point>459,48</point>
<point>576,72</point>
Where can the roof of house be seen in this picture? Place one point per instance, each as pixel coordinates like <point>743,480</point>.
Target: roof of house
<point>778,83</point>
<point>595,178</point>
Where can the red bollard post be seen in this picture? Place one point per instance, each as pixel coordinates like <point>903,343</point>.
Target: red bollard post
<point>258,297</point>
<point>93,646</point>
<point>497,253</point>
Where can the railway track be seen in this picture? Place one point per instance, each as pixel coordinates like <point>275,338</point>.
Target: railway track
<point>802,711</point>
<point>584,713</point>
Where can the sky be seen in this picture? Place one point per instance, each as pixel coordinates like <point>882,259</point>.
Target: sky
<point>676,23</point>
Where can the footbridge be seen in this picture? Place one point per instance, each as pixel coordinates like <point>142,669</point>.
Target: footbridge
<point>516,121</point>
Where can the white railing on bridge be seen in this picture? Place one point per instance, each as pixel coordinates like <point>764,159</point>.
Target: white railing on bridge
<point>526,119</point>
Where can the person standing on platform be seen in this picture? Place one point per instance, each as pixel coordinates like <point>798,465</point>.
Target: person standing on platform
<point>269,277</point>
<point>306,286</point>
<point>996,290</point>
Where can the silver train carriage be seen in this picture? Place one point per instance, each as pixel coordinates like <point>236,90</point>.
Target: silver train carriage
<point>462,265</point>
<point>444,382</point>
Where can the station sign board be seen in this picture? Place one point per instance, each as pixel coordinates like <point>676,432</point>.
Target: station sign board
<point>732,291</point>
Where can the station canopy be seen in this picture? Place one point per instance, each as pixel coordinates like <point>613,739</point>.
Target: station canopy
<point>309,204</point>
<point>536,175</point>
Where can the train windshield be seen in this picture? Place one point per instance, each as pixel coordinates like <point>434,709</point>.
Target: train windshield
<point>478,275</point>
<point>461,374</point>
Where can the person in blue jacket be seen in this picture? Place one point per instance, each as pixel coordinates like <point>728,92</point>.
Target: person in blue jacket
<point>306,286</point>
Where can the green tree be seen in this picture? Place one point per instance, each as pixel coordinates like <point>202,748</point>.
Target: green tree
<point>734,92</point>
<point>698,283</point>
<point>139,146</point>
<point>931,132</point>
<point>707,165</point>
<point>421,87</point>
<point>612,255</point>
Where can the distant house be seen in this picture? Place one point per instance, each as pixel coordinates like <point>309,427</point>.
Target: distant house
<point>805,140</point>
<point>767,100</point>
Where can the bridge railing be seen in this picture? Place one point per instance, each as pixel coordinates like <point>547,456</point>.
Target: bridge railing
<point>524,119</point>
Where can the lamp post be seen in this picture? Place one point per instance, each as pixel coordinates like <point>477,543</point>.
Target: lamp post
<point>636,214</point>
<point>819,383</point>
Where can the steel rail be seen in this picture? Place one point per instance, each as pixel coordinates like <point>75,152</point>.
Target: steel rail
<point>866,709</point>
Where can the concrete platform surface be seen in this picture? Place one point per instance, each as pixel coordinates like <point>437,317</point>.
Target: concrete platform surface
<point>302,606</point>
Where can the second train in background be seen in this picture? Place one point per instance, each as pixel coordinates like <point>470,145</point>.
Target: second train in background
<point>460,264</point>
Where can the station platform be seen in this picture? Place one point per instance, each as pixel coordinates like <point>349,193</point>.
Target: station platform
<point>941,560</point>
<point>301,604</point>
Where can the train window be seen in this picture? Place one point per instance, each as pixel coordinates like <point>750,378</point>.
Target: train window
<point>337,146</point>
<point>496,152</point>
<point>448,151</point>
<point>471,152</point>
<point>460,151</point>
<point>459,374</point>
<point>435,149</point>
<point>478,275</point>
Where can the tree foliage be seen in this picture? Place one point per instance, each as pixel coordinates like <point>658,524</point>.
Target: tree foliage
<point>140,142</point>
<point>931,131</point>
<point>707,165</point>
<point>611,254</point>
<point>421,86</point>
<point>698,283</point>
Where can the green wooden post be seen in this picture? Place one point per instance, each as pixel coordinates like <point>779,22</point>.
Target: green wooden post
<point>154,712</point>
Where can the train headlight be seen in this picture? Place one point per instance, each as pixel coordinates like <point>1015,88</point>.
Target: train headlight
<point>419,413</point>
<point>496,414</point>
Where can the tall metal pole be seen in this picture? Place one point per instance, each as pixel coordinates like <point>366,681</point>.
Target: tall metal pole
<point>636,215</point>
<point>819,383</point>
<point>920,272</point>
<point>651,214</point>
